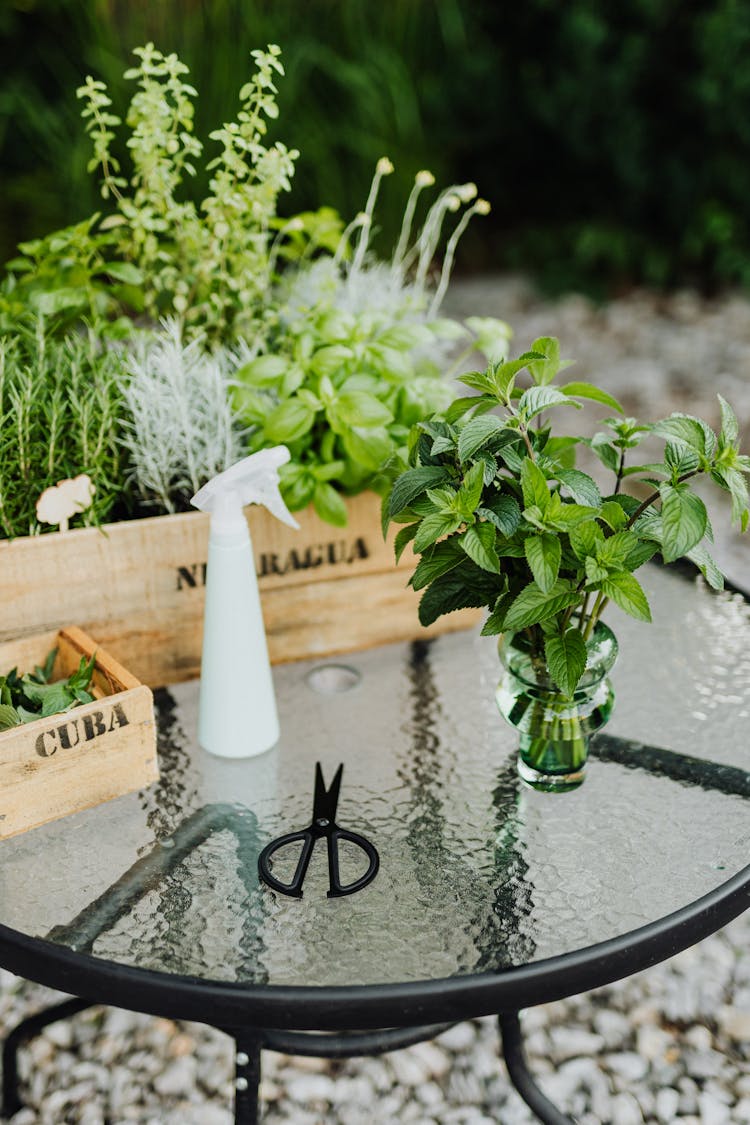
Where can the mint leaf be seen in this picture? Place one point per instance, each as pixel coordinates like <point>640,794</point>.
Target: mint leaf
<point>729,425</point>
<point>607,453</point>
<point>412,484</point>
<point>449,593</point>
<point>434,527</point>
<point>543,553</point>
<point>532,605</point>
<point>596,394</point>
<point>549,364</point>
<point>470,491</point>
<point>505,373</point>
<point>534,486</point>
<point>503,512</point>
<point>585,539</point>
<point>441,559</point>
<point>9,717</point>
<point>478,432</point>
<point>626,591</point>
<point>613,514</point>
<point>685,428</point>
<point>536,399</point>
<point>566,659</point>
<point>581,487</point>
<point>734,482</point>
<point>706,565</point>
<point>403,538</point>
<point>462,406</point>
<point>677,457</point>
<point>683,517</point>
<point>479,543</point>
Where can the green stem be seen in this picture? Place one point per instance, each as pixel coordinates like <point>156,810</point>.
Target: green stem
<point>599,604</point>
<point>620,470</point>
<point>655,496</point>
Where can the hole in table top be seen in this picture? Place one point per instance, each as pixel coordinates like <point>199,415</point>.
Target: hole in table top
<point>333,679</point>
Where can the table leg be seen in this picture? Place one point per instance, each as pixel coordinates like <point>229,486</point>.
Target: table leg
<point>520,1076</point>
<point>25,1030</point>
<point>247,1078</point>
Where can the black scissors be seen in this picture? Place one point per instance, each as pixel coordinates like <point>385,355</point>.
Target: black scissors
<point>323,826</point>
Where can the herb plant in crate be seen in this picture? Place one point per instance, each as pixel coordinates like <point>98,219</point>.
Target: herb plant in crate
<point>500,517</point>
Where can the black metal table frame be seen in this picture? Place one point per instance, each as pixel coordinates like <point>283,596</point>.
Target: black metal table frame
<point>319,1022</point>
<point>316,1021</point>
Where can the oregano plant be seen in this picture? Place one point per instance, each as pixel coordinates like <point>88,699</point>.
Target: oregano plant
<point>499,515</point>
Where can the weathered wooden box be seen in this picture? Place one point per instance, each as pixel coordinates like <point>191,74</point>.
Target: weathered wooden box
<point>138,587</point>
<point>71,761</point>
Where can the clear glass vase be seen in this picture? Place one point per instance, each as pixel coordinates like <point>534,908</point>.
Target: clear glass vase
<point>554,728</point>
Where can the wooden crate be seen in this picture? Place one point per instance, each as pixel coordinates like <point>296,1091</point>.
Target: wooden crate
<point>138,586</point>
<point>68,762</point>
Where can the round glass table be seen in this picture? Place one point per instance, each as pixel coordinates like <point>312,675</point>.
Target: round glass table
<point>490,897</point>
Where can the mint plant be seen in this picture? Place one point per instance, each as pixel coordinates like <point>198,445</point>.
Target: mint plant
<point>500,517</point>
<point>34,695</point>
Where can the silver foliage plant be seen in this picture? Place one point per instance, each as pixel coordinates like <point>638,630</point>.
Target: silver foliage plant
<point>182,430</point>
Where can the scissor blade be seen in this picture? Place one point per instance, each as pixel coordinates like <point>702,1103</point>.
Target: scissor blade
<point>326,801</point>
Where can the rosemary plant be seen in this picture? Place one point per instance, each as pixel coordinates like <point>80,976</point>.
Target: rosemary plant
<point>61,408</point>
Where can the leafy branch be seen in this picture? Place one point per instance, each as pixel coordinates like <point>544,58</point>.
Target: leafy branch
<point>501,517</point>
<point>34,695</point>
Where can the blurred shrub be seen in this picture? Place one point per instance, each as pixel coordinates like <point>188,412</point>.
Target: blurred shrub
<point>612,140</point>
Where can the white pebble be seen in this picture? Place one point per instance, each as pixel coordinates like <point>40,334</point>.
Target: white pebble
<point>626,1111</point>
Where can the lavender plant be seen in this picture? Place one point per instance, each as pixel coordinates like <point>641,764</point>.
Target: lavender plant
<point>500,517</point>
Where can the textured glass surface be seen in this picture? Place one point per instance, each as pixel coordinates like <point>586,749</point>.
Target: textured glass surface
<point>477,873</point>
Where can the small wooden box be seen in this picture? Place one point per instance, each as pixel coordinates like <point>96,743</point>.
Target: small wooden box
<point>72,761</point>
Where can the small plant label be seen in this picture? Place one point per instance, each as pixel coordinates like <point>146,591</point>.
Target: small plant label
<point>59,503</point>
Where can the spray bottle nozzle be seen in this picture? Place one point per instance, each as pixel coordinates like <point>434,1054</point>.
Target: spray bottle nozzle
<point>254,480</point>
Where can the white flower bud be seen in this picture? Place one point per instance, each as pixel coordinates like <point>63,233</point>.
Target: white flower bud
<point>466,192</point>
<point>453,202</point>
<point>384,166</point>
<point>424,178</point>
<point>482,207</point>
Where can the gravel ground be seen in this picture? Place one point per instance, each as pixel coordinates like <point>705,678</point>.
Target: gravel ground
<point>671,1045</point>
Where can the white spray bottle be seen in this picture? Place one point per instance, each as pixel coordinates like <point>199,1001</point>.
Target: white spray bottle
<point>237,715</point>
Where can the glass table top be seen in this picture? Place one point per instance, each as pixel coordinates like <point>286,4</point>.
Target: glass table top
<point>477,872</point>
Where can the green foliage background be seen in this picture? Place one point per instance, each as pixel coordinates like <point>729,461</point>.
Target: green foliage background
<point>613,140</point>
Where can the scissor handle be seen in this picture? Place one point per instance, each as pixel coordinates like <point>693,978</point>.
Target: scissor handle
<point>336,889</point>
<point>293,889</point>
